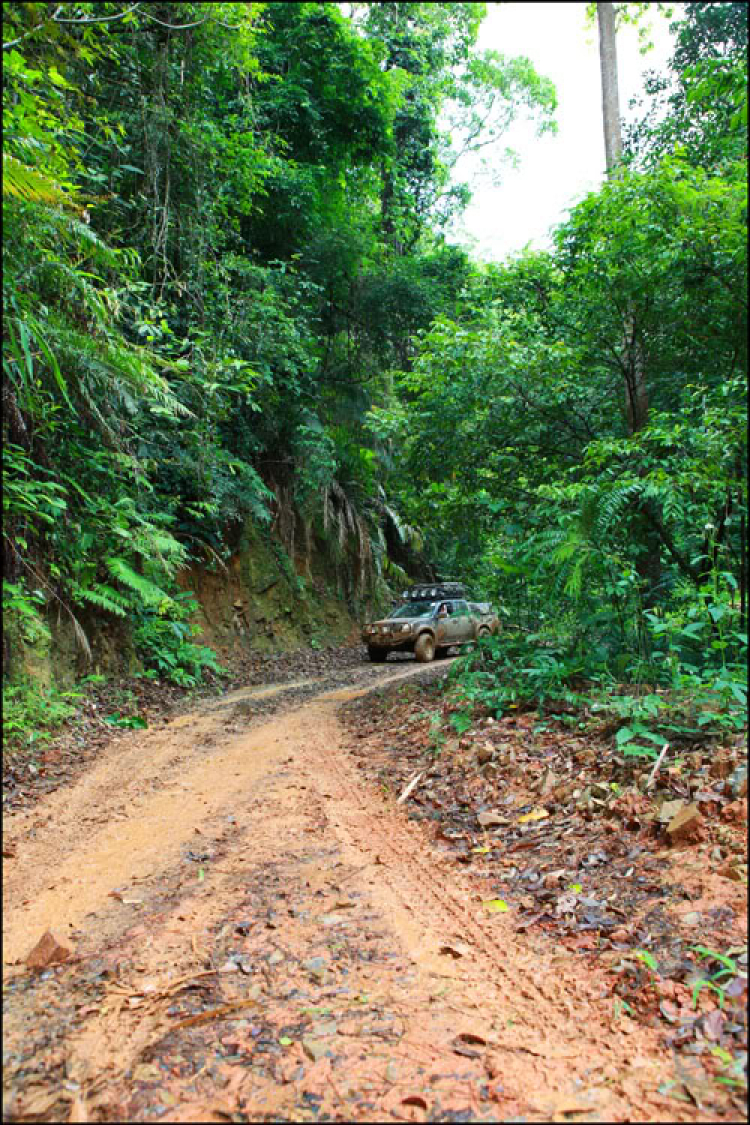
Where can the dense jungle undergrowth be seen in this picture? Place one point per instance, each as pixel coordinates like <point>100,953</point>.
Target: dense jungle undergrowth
<point>232,301</point>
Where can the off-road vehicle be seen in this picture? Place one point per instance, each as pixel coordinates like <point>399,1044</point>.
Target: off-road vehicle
<point>428,620</point>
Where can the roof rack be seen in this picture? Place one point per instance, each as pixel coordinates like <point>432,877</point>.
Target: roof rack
<point>435,590</point>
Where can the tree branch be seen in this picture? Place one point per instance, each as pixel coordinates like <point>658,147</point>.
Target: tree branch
<point>97,19</point>
<point>14,42</point>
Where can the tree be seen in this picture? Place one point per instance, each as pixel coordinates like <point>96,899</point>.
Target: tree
<point>699,108</point>
<point>605,12</point>
<point>431,48</point>
<point>511,414</point>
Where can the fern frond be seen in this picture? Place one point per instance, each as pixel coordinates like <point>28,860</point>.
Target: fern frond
<point>20,181</point>
<point>149,592</point>
<point>104,597</point>
<point>612,505</point>
<point>568,549</point>
<point>111,371</point>
<point>159,546</point>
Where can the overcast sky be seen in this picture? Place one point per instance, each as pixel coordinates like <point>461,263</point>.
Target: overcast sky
<point>554,171</point>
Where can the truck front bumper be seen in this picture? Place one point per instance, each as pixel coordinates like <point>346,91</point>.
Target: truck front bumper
<point>403,641</point>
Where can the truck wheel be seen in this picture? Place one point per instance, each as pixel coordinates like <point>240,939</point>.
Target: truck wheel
<point>483,632</point>
<point>424,649</point>
<point>377,655</point>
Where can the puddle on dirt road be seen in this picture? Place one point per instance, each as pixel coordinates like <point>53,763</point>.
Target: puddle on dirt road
<point>239,696</point>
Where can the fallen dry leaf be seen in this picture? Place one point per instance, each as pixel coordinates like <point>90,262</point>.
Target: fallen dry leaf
<point>685,823</point>
<point>466,1044</point>
<point>47,951</point>
<point>491,818</point>
<point>38,1102</point>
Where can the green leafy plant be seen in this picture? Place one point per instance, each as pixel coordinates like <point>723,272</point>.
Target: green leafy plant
<point>734,1075</point>
<point>460,721</point>
<point>648,959</point>
<point>621,1006</point>
<point>728,969</point>
<point>626,741</point>
<point>436,736</point>
<point>164,642</point>
<point>128,722</point>
<point>32,714</point>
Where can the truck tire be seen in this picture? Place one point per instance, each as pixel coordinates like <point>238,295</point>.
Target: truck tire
<point>377,655</point>
<point>424,649</point>
<point>483,632</point>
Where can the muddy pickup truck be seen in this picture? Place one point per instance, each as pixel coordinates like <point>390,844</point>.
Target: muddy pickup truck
<point>428,621</point>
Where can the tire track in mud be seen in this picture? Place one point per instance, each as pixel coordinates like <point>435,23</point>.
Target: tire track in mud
<point>132,811</point>
<point>304,821</point>
<point>501,984</point>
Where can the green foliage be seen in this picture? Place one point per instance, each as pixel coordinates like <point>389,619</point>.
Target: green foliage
<point>460,721</point>
<point>163,639</point>
<point>22,612</point>
<point>517,670</point>
<point>728,968</point>
<point>648,960</point>
<point>125,722</point>
<point>32,714</point>
<point>683,702</point>
<point>699,109</point>
<point>436,735</point>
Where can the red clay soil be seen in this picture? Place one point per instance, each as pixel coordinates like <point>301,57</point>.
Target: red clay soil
<point>259,932</point>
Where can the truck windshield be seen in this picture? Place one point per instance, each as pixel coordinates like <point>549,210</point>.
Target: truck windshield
<point>417,608</point>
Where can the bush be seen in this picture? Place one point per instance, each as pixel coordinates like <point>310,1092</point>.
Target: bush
<point>163,641</point>
<point>31,714</point>
<point>690,686</point>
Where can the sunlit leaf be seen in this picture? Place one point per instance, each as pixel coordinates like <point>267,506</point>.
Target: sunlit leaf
<point>535,814</point>
<point>495,905</point>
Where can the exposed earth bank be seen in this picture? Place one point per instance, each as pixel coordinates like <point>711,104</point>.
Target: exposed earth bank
<point>258,932</point>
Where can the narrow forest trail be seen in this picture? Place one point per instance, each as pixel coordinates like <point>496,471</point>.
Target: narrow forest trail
<point>259,933</point>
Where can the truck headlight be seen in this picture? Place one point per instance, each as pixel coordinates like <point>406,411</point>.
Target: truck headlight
<point>406,628</point>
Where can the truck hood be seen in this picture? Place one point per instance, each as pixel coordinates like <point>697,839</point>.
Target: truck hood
<point>395,623</point>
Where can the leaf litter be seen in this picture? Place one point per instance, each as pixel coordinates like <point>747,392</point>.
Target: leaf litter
<point>512,802</point>
<point>333,1021</point>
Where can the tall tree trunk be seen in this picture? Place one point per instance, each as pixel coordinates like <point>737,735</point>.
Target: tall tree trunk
<point>605,14</point>
<point>648,563</point>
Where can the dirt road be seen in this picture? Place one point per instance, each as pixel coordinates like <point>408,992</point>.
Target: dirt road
<point>258,933</point>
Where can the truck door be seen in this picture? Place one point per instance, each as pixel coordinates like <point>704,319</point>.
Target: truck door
<point>462,622</point>
<point>443,622</point>
<point>452,624</point>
